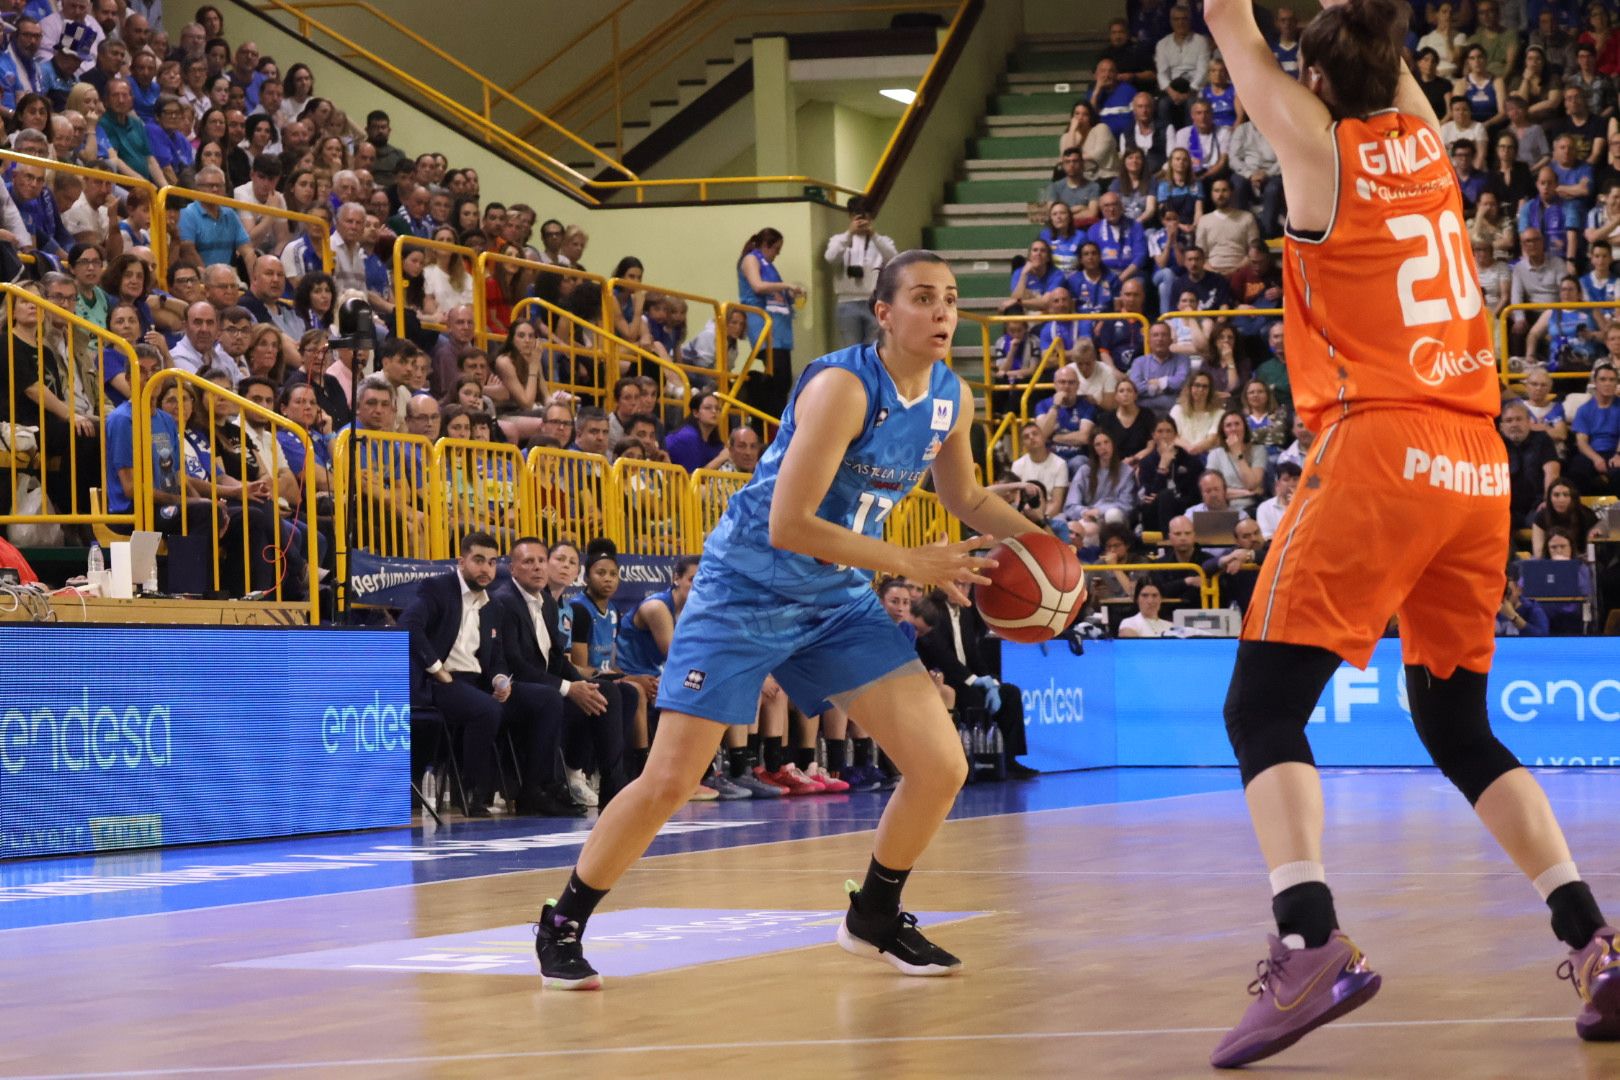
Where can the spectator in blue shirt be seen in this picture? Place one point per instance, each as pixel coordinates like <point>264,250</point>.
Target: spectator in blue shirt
<point>1032,282</point>
<point>1549,215</point>
<point>1519,616</point>
<point>1575,180</point>
<point>1092,286</point>
<point>38,209</point>
<point>127,133</point>
<point>1121,241</point>
<point>188,568</point>
<point>1067,419</point>
<point>166,135</point>
<point>1159,373</point>
<point>1469,179</point>
<point>20,66</point>
<point>212,234</point>
<point>1594,464</point>
<point>1065,333</point>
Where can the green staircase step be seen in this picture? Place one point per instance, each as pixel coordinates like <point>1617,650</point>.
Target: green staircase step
<point>993,191</point>
<point>1025,104</point>
<point>942,237</point>
<point>1014,146</point>
<point>1068,60</point>
<point>991,284</point>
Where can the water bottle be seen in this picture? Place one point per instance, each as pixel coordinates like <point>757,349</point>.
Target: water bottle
<point>97,564</point>
<point>993,754</point>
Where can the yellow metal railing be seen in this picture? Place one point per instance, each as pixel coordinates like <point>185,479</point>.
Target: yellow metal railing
<point>606,89</point>
<point>16,460</point>
<point>160,216</point>
<point>567,494</point>
<point>766,420</point>
<point>649,507</point>
<point>52,165</point>
<point>483,488</point>
<point>481,268</point>
<point>399,502</point>
<point>481,122</point>
<point>722,370</point>
<point>1208,590</point>
<point>712,490</point>
<point>409,241</point>
<point>920,519</point>
<point>1504,373</point>
<point>214,397</point>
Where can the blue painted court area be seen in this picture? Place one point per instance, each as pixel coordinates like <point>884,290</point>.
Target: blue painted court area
<point>46,892</point>
<point>637,941</point>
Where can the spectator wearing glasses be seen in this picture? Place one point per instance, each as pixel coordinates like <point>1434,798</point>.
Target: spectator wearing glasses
<point>422,416</point>
<point>87,264</point>
<point>166,134</point>
<point>38,208</point>
<point>331,398</point>
<point>21,66</point>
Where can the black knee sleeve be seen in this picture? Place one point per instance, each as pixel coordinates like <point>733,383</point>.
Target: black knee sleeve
<point>1451,719</point>
<point>1274,688</point>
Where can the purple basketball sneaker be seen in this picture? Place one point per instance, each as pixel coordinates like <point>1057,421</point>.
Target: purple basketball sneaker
<point>1595,971</point>
<point>1296,991</point>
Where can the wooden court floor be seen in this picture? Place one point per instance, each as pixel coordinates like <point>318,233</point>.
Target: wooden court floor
<point>1120,942</point>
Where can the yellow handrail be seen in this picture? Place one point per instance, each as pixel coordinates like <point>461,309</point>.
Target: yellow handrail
<point>1504,374</point>
<point>721,370</point>
<point>315,227</point>
<point>481,297</point>
<point>13,460</point>
<point>53,165</point>
<point>611,338</point>
<point>400,243</point>
<point>520,311</point>
<point>747,409</point>
<point>1208,591</point>
<point>1222,313</point>
<point>703,183</point>
<point>151,393</point>
<point>920,99</point>
<point>490,89</point>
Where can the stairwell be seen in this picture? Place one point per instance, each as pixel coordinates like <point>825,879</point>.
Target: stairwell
<point>983,221</point>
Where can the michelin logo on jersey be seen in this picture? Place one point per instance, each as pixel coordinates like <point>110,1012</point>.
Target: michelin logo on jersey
<point>1553,701</point>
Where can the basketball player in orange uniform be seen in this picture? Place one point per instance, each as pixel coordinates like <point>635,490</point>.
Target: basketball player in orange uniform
<point>1402,509</point>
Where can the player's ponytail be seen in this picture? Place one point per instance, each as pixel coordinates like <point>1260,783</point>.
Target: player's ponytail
<point>1357,47</point>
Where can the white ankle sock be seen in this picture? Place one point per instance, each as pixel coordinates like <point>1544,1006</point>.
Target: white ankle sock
<point>1288,875</point>
<point>1555,876</point>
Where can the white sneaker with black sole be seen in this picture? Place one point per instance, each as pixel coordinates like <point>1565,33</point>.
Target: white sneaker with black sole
<point>894,939</point>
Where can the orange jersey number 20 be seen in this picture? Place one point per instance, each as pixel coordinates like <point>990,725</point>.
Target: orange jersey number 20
<point>1384,308</point>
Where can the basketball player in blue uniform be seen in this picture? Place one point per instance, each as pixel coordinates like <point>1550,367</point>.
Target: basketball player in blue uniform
<point>784,589</point>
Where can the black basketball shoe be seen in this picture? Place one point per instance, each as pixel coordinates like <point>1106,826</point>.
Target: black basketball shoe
<point>562,959</point>
<point>892,937</point>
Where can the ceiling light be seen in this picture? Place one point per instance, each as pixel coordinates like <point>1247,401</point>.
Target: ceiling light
<point>903,96</point>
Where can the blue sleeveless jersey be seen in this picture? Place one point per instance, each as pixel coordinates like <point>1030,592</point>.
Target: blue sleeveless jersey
<point>639,653</point>
<point>897,443</point>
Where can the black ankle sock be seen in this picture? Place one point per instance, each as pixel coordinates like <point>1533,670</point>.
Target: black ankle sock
<point>578,900</point>
<point>1575,914</point>
<point>776,754</point>
<point>739,760</point>
<point>864,749</point>
<point>837,754</point>
<point>804,757</point>
<point>880,893</point>
<point>1306,909</point>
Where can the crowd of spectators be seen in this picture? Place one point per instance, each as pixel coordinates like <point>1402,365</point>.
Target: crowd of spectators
<point>245,302</point>
<point>1166,199</point>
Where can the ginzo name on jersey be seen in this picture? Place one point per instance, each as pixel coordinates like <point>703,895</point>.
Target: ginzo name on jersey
<point>1403,156</point>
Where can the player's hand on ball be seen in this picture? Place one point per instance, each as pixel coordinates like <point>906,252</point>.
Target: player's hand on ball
<point>951,567</point>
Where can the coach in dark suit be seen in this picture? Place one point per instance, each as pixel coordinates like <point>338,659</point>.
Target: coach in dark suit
<point>954,647</point>
<point>532,647</point>
<point>459,668</point>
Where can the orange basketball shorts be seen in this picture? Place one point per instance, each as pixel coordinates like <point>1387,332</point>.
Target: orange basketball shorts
<point>1399,512</point>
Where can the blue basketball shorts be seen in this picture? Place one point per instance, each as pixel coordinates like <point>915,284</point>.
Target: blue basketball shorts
<point>732,633</point>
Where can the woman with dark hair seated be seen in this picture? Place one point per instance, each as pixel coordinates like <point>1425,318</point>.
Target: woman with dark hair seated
<point>696,444</point>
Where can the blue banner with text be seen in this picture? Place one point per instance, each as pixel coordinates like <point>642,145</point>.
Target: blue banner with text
<point>144,736</point>
<point>1553,701</point>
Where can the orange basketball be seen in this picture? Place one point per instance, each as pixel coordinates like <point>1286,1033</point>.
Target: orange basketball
<point>1035,591</point>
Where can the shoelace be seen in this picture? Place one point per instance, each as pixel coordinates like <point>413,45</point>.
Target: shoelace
<point>1264,971</point>
<point>1566,971</point>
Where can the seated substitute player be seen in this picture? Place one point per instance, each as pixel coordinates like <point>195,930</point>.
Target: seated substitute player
<point>785,590</point>
<point>1389,358</point>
